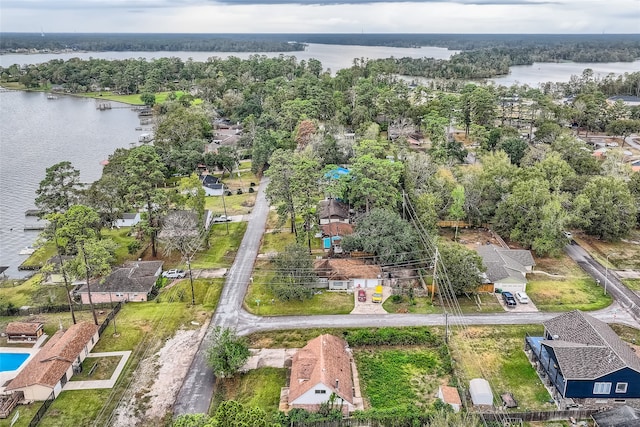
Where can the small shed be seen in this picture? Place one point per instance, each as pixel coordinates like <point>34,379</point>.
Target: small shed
<point>23,331</point>
<point>450,396</point>
<point>480,391</point>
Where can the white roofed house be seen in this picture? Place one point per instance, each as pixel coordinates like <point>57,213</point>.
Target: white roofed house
<point>506,268</point>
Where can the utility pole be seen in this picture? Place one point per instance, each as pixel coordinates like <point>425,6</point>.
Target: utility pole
<point>446,327</point>
<point>224,206</point>
<point>435,268</point>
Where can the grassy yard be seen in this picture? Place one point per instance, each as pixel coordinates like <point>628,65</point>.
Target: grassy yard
<point>496,354</point>
<point>565,295</point>
<point>396,378</point>
<point>257,388</point>
<point>122,238</point>
<point>618,255</point>
<point>104,368</point>
<point>633,284</point>
<point>223,246</point>
<point>327,302</point>
<point>235,204</point>
<point>40,256</point>
<point>403,304</point>
<point>276,241</point>
<point>133,99</point>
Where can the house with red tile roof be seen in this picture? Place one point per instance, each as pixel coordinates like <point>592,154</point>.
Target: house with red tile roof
<point>50,369</point>
<point>320,372</point>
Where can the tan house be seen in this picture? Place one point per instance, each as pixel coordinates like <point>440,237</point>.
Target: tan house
<point>132,282</point>
<point>50,369</point>
<point>18,332</point>
<point>347,273</point>
<point>320,372</point>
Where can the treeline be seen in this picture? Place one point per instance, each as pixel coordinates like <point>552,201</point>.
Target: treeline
<point>15,42</point>
<point>495,61</point>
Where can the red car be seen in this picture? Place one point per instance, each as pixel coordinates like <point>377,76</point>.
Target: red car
<point>362,295</point>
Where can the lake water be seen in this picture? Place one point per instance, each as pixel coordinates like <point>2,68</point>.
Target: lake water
<point>36,133</point>
<point>333,57</point>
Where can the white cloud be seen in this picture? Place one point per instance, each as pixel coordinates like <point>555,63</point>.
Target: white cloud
<point>202,16</point>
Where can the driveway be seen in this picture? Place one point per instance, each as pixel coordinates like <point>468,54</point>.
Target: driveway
<point>369,307</point>
<point>529,307</point>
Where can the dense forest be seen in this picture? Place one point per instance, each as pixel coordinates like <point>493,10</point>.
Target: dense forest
<point>16,42</point>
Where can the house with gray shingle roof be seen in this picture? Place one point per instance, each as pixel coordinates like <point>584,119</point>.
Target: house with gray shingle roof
<point>134,281</point>
<point>506,268</point>
<point>583,359</point>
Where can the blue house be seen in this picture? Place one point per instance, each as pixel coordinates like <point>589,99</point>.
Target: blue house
<point>584,360</point>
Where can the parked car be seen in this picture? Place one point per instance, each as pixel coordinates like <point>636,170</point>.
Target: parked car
<point>174,274</point>
<point>509,300</point>
<point>522,298</point>
<point>221,218</point>
<point>362,295</point>
<point>377,295</point>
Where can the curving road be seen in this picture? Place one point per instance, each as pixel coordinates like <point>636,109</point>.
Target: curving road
<point>197,389</point>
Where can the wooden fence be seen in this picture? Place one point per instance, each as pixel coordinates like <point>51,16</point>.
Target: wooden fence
<point>109,318</point>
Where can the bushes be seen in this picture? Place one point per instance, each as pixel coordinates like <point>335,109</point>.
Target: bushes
<point>391,336</point>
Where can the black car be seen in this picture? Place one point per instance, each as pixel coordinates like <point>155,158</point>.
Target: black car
<point>509,299</point>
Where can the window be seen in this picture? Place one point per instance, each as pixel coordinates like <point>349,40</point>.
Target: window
<point>601,388</point>
<point>621,387</point>
<point>321,391</point>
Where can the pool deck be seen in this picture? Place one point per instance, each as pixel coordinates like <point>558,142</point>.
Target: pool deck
<point>9,375</point>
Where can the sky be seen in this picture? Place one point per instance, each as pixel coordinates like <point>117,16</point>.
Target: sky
<point>321,16</point>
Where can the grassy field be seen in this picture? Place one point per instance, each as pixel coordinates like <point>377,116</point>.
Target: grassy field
<point>276,241</point>
<point>104,368</point>
<point>565,295</point>
<point>327,302</point>
<point>133,99</point>
<point>122,238</point>
<point>234,205</point>
<point>40,256</point>
<point>496,354</point>
<point>396,378</point>
<point>633,284</point>
<point>618,255</point>
<point>256,388</point>
<point>223,246</point>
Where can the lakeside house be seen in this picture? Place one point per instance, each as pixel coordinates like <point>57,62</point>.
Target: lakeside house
<point>56,362</point>
<point>132,282</point>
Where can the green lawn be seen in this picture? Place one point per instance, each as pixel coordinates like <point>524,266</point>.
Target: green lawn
<point>633,284</point>
<point>122,238</point>
<point>496,354</point>
<point>233,205</point>
<point>565,295</point>
<point>403,304</point>
<point>133,99</point>
<point>256,388</point>
<point>396,378</point>
<point>40,256</point>
<point>327,302</point>
<point>222,246</point>
<point>276,241</point>
<point>104,368</point>
<point>206,291</point>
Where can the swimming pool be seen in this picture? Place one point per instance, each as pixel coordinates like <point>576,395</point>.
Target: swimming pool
<point>12,361</point>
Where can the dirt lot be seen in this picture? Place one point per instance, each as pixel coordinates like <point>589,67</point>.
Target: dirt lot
<point>158,379</point>
<point>471,237</point>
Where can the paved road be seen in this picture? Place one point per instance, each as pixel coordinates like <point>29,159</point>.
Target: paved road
<point>628,300</point>
<point>630,141</point>
<point>197,388</point>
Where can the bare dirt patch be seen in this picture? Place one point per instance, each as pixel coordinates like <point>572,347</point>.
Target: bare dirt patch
<point>158,379</point>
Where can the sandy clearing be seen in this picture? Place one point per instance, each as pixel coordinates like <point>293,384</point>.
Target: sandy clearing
<point>158,380</point>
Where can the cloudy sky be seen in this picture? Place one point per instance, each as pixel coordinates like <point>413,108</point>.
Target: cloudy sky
<point>322,16</point>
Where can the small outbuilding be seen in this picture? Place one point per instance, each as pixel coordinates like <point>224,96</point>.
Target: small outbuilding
<point>19,332</point>
<point>480,390</point>
<point>450,396</point>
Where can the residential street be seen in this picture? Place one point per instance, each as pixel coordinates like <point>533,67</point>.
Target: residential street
<point>197,390</point>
